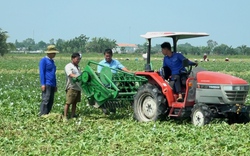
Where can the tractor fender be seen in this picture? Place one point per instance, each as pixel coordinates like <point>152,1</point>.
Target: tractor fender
<point>156,79</point>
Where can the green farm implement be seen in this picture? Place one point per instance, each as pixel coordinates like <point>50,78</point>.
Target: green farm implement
<point>107,89</point>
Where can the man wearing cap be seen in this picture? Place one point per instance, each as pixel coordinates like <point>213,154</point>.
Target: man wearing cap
<point>47,71</point>
<point>73,90</point>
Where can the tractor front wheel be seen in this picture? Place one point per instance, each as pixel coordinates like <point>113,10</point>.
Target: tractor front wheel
<point>201,115</point>
<point>149,103</point>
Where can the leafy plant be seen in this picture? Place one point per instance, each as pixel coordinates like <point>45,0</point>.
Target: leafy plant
<point>22,132</point>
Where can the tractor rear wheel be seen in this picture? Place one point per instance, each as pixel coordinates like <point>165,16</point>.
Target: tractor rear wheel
<point>201,115</point>
<point>149,103</point>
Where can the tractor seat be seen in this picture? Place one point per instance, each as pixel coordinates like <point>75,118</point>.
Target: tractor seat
<point>166,72</point>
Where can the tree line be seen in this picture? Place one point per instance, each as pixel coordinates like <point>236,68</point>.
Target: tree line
<point>84,44</point>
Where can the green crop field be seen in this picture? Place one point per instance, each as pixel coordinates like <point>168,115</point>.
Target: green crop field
<point>22,132</point>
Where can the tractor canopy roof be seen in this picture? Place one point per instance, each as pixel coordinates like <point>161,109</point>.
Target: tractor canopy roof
<point>174,35</point>
<point>177,35</point>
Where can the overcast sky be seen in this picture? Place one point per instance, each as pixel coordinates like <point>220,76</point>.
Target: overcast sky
<point>227,21</point>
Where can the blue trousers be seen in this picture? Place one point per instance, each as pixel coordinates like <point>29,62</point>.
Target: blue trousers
<point>47,100</point>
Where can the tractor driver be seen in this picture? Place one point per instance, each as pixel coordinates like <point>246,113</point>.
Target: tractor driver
<point>174,60</point>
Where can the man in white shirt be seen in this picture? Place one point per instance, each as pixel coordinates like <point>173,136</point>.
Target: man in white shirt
<point>73,90</point>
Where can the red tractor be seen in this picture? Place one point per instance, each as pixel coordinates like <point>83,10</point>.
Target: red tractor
<point>207,94</point>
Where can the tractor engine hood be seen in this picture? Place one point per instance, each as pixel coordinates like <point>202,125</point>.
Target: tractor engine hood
<point>208,77</point>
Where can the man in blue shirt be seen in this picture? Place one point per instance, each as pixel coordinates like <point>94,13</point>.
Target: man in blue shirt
<point>47,71</point>
<point>174,60</point>
<point>109,62</point>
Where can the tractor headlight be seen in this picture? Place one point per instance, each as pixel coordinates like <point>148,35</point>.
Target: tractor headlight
<point>236,88</point>
<point>228,87</point>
